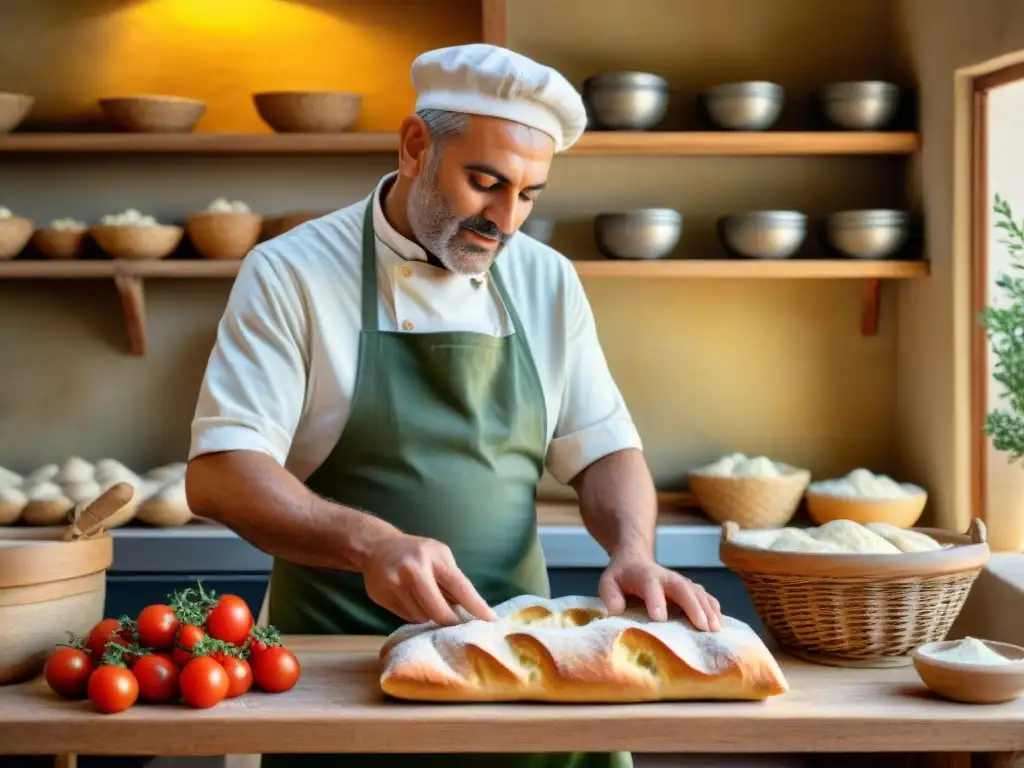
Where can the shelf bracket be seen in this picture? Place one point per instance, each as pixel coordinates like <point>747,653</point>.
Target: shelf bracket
<point>133,306</point>
<point>869,306</point>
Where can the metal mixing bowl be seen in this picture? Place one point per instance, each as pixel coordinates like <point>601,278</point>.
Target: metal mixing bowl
<point>646,233</point>
<point>538,227</point>
<point>863,105</point>
<point>747,106</point>
<point>763,234</point>
<point>867,234</point>
<point>626,101</point>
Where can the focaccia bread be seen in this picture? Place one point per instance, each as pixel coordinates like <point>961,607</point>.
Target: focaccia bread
<point>570,650</point>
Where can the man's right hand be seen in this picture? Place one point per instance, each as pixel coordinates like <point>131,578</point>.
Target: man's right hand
<point>415,578</point>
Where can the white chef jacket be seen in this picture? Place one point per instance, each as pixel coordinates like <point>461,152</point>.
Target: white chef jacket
<point>281,375</point>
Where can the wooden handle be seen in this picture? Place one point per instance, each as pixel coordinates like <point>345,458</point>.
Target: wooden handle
<point>977,531</point>
<point>90,521</point>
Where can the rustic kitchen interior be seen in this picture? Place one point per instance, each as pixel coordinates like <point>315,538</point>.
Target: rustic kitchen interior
<point>821,361</point>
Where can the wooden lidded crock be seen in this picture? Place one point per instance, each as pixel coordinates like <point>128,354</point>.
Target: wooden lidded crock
<point>53,581</point>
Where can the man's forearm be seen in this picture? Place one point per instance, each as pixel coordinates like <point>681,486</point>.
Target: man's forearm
<point>618,502</point>
<point>253,495</point>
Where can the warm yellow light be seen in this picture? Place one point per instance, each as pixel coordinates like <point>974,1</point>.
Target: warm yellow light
<point>238,16</point>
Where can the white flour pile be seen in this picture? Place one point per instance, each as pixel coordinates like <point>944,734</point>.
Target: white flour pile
<point>970,650</point>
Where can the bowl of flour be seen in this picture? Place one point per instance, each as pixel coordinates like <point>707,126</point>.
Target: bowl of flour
<point>972,671</point>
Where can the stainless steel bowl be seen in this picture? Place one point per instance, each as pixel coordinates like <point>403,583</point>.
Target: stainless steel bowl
<point>538,227</point>
<point>867,234</point>
<point>646,233</point>
<point>763,234</point>
<point>626,101</point>
<point>863,105</point>
<point>747,106</point>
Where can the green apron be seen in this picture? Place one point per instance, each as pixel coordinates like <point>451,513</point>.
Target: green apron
<point>446,439</point>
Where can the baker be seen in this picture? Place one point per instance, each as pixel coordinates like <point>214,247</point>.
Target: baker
<point>390,380</point>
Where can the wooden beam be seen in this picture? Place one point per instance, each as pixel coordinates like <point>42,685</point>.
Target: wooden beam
<point>494,15</point>
<point>133,306</point>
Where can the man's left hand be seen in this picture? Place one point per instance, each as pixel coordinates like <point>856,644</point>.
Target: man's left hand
<point>638,575</point>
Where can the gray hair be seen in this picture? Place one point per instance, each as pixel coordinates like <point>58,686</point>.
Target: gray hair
<point>442,125</point>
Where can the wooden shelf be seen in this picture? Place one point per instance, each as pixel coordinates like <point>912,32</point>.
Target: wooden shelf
<point>597,143</point>
<point>821,269</point>
<point>128,277</point>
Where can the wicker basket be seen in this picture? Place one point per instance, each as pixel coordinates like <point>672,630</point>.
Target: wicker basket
<point>14,108</point>
<point>60,243</point>
<point>751,502</point>
<point>857,610</point>
<point>139,243</point>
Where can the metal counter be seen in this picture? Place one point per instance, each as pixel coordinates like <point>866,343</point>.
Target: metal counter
<point>206,547</point>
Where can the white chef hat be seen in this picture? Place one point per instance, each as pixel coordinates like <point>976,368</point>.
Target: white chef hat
<point>481,79</point>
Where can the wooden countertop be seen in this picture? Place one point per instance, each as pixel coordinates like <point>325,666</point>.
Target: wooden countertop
<point>337,707</point>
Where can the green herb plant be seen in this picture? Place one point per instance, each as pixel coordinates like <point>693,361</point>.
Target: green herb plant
<point>1004,325</point>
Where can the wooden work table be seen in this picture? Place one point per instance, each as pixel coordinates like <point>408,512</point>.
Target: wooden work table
<point>337,707</point>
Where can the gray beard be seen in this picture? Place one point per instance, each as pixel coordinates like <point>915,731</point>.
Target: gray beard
<point>436,226</point>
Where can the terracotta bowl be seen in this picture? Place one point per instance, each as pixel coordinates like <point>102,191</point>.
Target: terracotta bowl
<point>222,235</point>
<point>972,683</point>
<point>308,111</point>
<point>139,243</point>
<point>902,512</point>
<point>60,243</point>
<point>153,114</point>
<point>281,224</point>
<point>14,108</point>
<point>15,232</point>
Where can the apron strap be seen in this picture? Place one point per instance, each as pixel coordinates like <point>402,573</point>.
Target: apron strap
<point>370,319</point>
<point>369,303</point>
<point>499,283</point>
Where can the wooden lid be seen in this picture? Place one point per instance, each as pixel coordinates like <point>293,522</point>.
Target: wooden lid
<point>970,552</point>
<point>41,555</point>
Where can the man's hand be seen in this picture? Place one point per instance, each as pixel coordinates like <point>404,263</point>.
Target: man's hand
<point>637,574</point>
<point>417,579</point>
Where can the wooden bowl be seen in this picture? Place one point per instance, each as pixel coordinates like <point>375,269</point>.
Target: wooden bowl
<point>128,242</point>
<point>308,111</point>
<point>153,114</point>
<point>903,512</point>
<point>281,224</point>
<point>972,683</point>
<point>14,108</point>
<point>221,235</point>
<point>15,232</point>
<point>60,243</point>
<point>48,588</point>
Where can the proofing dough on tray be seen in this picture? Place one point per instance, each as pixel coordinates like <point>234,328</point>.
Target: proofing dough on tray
<point>570,650</point>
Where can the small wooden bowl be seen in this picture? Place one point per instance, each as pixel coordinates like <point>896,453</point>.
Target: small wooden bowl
<point>153,114</point>
<point>308,111</point>
<point>15,232</point>
<point>138,243</point>
<point>60,243</point>
<point>14,108</point>
<point>972,683</point>
<point>221,235</point>
<point>281,224</point>
<point>903,512</point>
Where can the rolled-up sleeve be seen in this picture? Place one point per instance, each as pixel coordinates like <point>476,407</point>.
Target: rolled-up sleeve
<point>254,387</point>
<point>593,420</point>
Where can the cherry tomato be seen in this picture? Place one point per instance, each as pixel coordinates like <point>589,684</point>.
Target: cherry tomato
<point>158,678</point>
<point>188,636</point>
<point>276,669</point>
<point>101,634</point>
<point>67,672</point>
<point>113,688</point>
<point>156,626</point>
<point>230,620</point>
<point>239,676</point>
<point>204,682</point>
